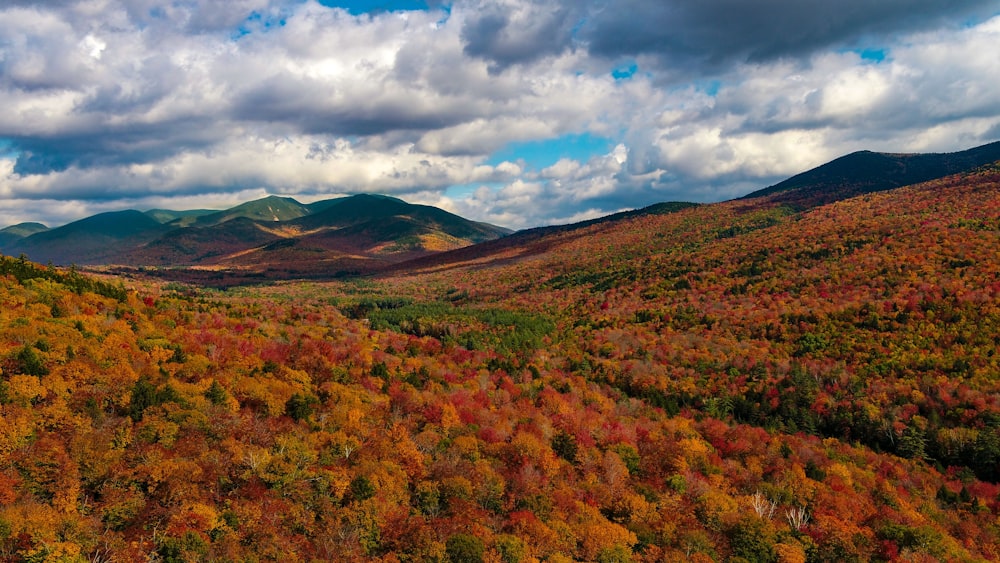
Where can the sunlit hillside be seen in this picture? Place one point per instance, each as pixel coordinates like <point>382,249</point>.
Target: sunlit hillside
<point>736,381</point>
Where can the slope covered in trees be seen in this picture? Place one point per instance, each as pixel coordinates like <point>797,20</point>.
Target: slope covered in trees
<point>728,382</point>
<point>866,171</point>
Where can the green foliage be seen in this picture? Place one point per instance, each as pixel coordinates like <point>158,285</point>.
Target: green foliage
<point>22,270</point>
<point>361,488</point>
<point>29,362</point>
<point>629,456</point>
<point>465,548</point>
<point>427,497</point>
<point>912,444</point>
<point>217,395</point>
<point>511,548</point>
<point>300,407</point>
<point>921,539</point>
<point>615,554</point>
<point>189,547</point>
<point>144,395</point>
<point>751,540</point>
<point>564,445</point>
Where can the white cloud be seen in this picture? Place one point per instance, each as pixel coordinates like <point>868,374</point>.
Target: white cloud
<point>151,101</point>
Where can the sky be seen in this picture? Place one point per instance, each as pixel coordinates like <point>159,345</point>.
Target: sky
<point>516,112</point>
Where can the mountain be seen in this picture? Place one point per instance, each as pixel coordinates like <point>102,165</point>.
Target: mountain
<point>866,172</point>
<point>168,215</point>
<point>97,239</point>
<point>194,245</point>
<point>279,237</point>
<point>273,237</point>
<point>365,208</point>
<point>358,234</point>
<point>738,381</point>
<point>269,209</point>
<point>14,233</point>
<point>826,320</point>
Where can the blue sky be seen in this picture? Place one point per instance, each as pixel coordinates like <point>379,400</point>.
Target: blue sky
<point>376,6</point>
<point>516,112</point>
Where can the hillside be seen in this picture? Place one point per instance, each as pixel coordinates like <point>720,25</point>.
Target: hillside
<point>734,381</point>
<point>895,288</point>
<point>528,242</point>
<point>199,245</point>
<point>364,208</point>
<point>865,172</point>
<point>94,240</point>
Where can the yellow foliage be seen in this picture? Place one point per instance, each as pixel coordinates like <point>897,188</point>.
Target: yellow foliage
<point>158,354</point>
<point>25,388</point>
<point>790,553</point>
<point>714,506</point>
<point>467,447</point>
<point>597,536</point>
<point>16,427</point>
<point>449,417</point>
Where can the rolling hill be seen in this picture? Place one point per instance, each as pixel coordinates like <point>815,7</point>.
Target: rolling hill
<point>278,237</point>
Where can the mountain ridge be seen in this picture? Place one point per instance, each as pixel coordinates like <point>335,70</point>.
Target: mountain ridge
<point>250,235</point>
<point>868,171</point>
<point>279,237</point>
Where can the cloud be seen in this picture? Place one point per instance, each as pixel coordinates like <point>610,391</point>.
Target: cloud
<point>708,35</point>
<point>515,32</point>
<point>136,102</point>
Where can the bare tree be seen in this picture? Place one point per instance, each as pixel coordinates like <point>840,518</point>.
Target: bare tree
<point>763,506</point>
<point>798,517</point>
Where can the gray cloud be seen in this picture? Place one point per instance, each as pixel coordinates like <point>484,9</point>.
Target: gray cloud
<point>523,32</point>
<point>700,36</point>
<point>711,34</point>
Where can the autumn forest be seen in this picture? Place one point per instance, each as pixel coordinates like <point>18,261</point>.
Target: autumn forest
<point>759,380</point>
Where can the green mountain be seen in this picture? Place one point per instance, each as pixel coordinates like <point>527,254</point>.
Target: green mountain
<point>95,240</point>
<point>24,229</point>
<point>12,234</point>
<point>269,209</point>
<point>275,234</point>
<point>866,172</point>
<point>168,215</point>
<point>364,208</point>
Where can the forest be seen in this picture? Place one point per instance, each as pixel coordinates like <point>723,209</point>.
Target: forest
<point>741,381</point>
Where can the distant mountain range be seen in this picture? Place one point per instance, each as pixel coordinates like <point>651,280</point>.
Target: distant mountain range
<point>278,234</point>
<point>279,237</point>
